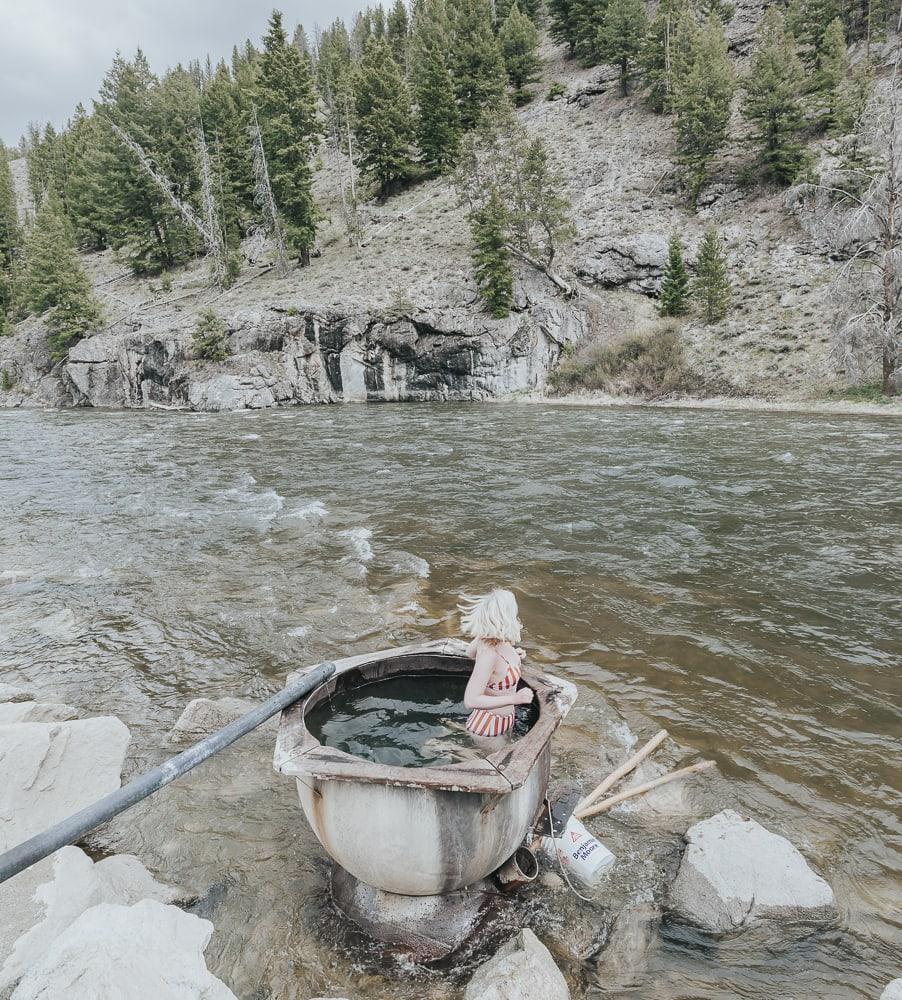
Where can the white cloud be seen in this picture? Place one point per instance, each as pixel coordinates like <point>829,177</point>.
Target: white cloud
<point>54,53</point>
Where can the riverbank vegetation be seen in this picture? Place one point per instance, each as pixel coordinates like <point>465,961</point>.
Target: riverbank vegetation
<point>164,169</point>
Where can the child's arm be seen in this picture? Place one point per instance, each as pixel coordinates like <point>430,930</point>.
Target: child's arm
<point>475,696</point>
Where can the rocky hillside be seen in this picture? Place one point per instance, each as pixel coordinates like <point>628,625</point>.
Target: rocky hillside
<point>399,318</point>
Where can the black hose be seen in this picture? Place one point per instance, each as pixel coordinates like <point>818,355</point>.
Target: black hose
<point>76,826</point>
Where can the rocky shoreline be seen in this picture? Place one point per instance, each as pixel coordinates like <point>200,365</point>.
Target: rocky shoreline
<point>719,873</point>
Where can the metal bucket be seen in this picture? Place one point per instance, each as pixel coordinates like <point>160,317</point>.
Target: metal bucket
<point>420,831</point>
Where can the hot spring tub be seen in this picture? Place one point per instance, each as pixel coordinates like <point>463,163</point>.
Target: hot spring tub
<point>420,831</point>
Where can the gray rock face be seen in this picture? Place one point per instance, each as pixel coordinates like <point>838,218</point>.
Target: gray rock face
<point>281,357</point>
<point>522,969</point>
<point>735,874</point>
<point>78,884</point>
<point>625,956</point>
<point>635,262</point>
<point>893,991</point>
<point>147,951</point>
<point>11,693</point>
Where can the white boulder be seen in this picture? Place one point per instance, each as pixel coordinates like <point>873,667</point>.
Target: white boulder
<point>78,884</point>
<point>522,969</point>
<point>148,951</point>
<point>47,772</point>
<point>35,711</point>
<point>735,874</point>
<point>893,991</point>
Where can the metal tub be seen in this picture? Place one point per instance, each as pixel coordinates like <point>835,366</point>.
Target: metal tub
<point>420,831</point>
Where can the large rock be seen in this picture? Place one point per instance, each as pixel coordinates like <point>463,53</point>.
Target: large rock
<point>47,772</point>
<point>78,884</point>
<point>625,956</point>
<point>35,711</point>
<point>11,693</point>
<point>735,874</point>
<point>893,991</point>
<point>522,969</point>
<point>148,951</point>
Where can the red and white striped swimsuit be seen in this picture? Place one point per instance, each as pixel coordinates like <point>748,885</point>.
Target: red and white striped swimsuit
<point>485,722</point>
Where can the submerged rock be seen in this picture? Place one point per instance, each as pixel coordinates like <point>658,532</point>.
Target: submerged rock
<point>735,874</point>
<point>148,951</point>
<point>522,969</point>
<point>11,693</point>
<point>204,716</point>
<point>625,956</point>
<point>78,884</point>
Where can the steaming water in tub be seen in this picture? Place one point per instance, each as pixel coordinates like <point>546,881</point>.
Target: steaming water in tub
<point>404,721</point>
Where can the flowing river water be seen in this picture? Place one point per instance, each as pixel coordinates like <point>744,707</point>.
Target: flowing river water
<point>735,577</point>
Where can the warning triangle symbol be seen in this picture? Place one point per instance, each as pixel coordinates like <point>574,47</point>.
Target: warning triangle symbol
<point>574,836</point>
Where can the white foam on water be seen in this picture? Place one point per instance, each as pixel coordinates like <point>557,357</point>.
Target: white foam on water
<point>250,437</point>
<point>676,482</point>
<point>314,509</point>
<point>299,631</point>
<point>411,608</point>
<point>787,458</point>
<point>623,734</point>
<point>407,562</point>
<point>359,539</point>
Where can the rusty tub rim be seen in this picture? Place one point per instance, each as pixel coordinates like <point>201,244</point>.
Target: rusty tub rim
<point>299,754</point>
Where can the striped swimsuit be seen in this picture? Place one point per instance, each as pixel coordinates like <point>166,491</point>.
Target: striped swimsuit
<point>485,722</point>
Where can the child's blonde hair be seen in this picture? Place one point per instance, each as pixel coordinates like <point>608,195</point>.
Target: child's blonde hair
<point>492,616</point>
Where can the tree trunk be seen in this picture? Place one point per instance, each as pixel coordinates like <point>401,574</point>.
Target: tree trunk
<point>545,269</point>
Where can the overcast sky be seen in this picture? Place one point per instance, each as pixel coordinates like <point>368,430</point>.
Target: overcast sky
<point>54,53</point>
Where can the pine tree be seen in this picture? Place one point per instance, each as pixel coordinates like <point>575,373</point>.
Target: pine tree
<point>121,200</point>
<point>477,65</point>
<point>720,8</point>
<point>209,337</point>
<point>54,283</point>
<point>562,22</point>
<point>831,78</point>
<point>397,30</point>
<point>519,41</point>
<point>491,256</point>
<point>773,99</point>
<point>656,60</point>
<point>621,35</point>
<point>675,284</point>
<point>589,18</point>
<point>438,120</point>
<point>711,286</point>
<point>502,8</point>
<point>286,107</point>
<point>9,235</point>
<point>84,136</point>
<point>9,218</point>
<point>225,121</point>
<point>384,118</point>
<point>702,100</point>
<point>300,41</point>
<point>809,21</point>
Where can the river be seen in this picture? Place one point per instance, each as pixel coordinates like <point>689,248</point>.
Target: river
<point>735,577</point>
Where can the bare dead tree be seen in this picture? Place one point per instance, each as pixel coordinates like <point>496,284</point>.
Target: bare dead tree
<point>209,229</point>
<point>220,255</point>
<point>264,198</point>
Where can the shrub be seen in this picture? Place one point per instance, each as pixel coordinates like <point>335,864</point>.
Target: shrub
<point>556,90</point>
<point>648,363</point>
<point>6,381</point>
<point>210,340</point>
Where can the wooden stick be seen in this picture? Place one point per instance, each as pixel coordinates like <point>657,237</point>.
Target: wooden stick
<point>624,768</point>
<point>641,789</point>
